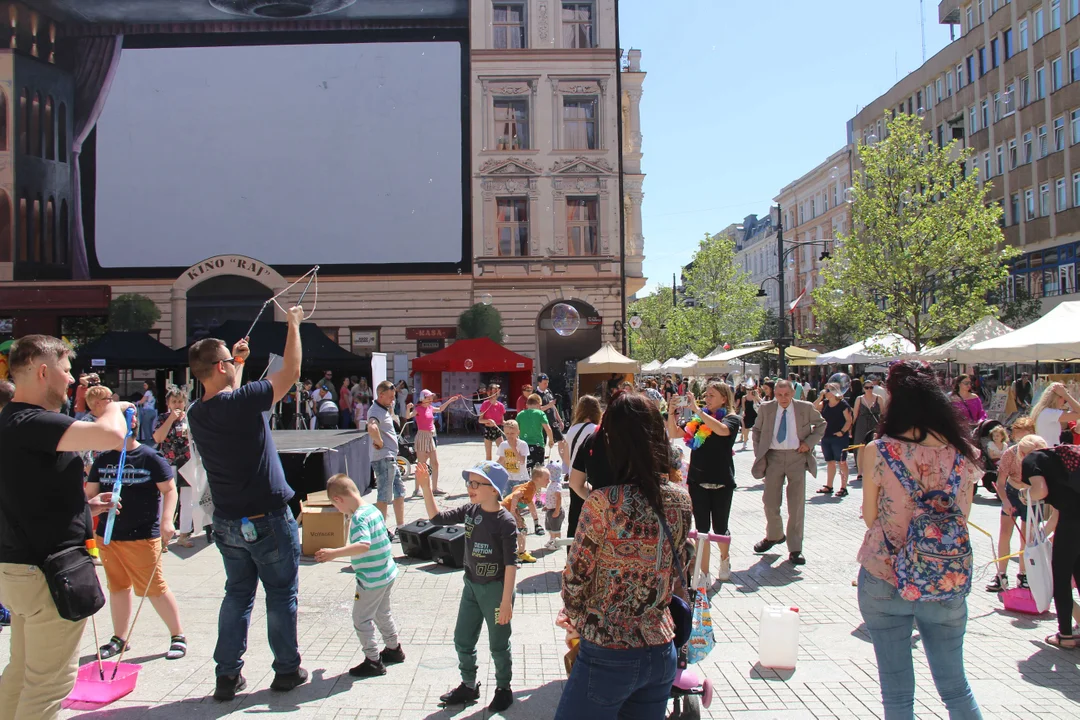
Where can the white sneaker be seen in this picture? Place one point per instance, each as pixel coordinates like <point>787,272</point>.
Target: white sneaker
<point>549,545</point>
<point>724,573</point>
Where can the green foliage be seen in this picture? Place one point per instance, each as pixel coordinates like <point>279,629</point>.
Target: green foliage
<point>726,311</point>
<point>926,254</point>
<point>82,329</point>
<point>133,312</point>
<point>1020,310</point>
<point>480,321</point>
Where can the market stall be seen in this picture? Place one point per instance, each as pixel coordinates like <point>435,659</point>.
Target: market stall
<point>876,349</point>
<point>959,349</point>
<point>445,372</point>
<point>601,368</point>
<point>1055,337</point>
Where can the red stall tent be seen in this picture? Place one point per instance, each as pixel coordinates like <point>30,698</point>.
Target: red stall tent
<point>485,356</point>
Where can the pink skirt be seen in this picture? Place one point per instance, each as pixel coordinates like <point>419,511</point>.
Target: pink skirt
<point>424,442</point>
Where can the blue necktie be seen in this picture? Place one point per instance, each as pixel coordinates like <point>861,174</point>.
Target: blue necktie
<point>781,434</point>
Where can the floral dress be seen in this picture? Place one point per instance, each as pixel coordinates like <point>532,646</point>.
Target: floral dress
<point>176,447</point>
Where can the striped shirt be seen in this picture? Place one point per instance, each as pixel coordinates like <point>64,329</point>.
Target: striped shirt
<point>375,568</point>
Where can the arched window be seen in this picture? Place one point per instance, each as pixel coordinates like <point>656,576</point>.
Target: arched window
<point>36,254</point>
<point>62,133</point>
<point>3,123</point>
<point>35,125</point>
<point>50,130</point>
<point>6,254</point>
<point>24,231</point>
<point>24,121</point>
<point>62,248</point>
<point>52,253</point>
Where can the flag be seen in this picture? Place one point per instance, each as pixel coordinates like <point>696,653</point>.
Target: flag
<point>795,304</point>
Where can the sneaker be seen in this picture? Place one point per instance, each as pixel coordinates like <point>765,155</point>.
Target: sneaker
<point>502,700</point>
<point>461,695</point>
<point>724,573</point>
<point>284,682</point>
<point>539,531</point>
<point>1000,583</point>
<point>550,544</point>
<point>5,616</point>
<point>526,557</point>
<point>392,656</point>
<point>228,686</point>
<point>368,668</point>
<point>1021,580</point>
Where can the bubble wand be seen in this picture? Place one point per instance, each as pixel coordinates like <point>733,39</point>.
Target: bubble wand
<point>129,414</point>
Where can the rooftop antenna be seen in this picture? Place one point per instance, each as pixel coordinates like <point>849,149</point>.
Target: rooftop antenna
<point>922,27</point>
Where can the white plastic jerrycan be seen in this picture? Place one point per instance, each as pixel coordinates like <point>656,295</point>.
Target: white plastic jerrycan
<point>778,637</point>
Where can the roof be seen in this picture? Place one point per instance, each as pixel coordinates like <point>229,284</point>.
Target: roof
<point>130,351</point>
<point>481,354</point>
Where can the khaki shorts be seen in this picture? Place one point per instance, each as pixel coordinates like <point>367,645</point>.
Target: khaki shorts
<point>129,563</point>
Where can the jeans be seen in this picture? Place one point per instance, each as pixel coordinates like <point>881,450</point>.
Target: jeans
<point>890,618</point>
<point>273,559</point>
<point>388,483</point>
<point>625,684</point>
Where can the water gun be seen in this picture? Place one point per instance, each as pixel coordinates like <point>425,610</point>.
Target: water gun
<point>129,414</point>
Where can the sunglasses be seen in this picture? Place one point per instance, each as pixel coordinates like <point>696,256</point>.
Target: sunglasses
<point>475,485</point>
<point>230,360</point>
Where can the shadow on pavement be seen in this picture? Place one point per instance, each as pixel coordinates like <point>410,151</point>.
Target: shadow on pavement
<point>547,582</point>
<point>536,703</point>
<point>764,574</point>
<point>1053,668</point>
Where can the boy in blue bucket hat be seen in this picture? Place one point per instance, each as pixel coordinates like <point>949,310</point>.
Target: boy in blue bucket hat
<point>490,573</point>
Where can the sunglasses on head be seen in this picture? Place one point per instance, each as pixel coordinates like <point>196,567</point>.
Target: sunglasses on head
<point>476,485</point>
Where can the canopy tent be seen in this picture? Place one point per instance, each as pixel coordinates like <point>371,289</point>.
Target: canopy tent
<point>607,360</point>
<point>651,367</point>
<point>671,365</point>
<point>478,355</point>
<point>959,348</point>
<point>794,353</point>
<point>130,351</point>
<point>268,337</point>
<point>1053,337</point>
<point>721,360</point>
<point>860,354</point>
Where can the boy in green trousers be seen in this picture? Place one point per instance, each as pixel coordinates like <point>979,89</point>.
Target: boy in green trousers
<point>490,574</point>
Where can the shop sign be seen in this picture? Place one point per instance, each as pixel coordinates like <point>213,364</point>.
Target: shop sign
<point>594,320</point>
<point>433,333</point>
<point>226,264</point>
<point>365,340</point>
<point>426,347</point>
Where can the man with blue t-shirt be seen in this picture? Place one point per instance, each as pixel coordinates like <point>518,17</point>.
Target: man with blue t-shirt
<point>254,529</point>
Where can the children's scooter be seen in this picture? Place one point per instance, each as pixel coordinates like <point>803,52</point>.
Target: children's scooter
<point>690,684</point>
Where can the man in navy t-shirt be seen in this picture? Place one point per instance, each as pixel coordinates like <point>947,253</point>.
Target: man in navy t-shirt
<point>254,529</point>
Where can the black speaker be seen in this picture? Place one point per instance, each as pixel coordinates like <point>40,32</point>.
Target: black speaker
<point>414,539</point>
<point>448,546</point>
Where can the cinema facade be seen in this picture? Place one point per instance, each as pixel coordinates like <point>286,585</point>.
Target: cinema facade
<point>551,183</point>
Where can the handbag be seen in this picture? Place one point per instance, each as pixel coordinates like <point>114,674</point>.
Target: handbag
<point>702,639</point>
<point>73,583</point>
<point>679,608</point>
<point>1037,557</point>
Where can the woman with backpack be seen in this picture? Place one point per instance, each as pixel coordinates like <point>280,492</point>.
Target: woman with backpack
<point>918,482</point>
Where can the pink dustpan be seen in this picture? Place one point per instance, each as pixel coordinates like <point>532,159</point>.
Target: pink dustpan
<point>90,688</point>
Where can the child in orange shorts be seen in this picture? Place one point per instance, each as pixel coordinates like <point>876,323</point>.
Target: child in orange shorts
<point>523,497</point>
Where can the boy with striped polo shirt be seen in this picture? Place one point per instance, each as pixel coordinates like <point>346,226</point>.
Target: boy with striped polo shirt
<point>369,548</point>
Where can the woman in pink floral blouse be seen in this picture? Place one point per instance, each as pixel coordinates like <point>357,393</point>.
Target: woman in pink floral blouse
<point>921,432</point>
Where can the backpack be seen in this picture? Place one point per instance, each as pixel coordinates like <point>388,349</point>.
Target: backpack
<point>935,561</point>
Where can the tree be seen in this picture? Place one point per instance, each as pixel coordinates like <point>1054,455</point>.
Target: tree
<point>926,254</point>
<point>480,321</point>
<point>1020,309</point>
<point>664,330</point>
<point>133,312</point>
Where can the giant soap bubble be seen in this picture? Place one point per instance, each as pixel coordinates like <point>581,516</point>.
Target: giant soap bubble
<point>565,319</point>
<point>842,380</point>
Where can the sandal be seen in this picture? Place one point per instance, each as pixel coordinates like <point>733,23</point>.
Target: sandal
<point>113,648</point>
<point>177,648</point>
<point>1058,640</point>
<point>184,540</point>
<point>825,490</point>
<point>842,492</point>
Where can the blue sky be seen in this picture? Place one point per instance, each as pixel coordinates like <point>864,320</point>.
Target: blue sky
<point>743,97</point>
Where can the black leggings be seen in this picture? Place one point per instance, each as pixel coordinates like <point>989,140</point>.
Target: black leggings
<point>711,508</point>
<point>1065,565</point>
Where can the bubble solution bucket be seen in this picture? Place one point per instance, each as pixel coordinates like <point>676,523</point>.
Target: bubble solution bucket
<point>1020,600</point>
<point>778,637</point>
<point>90,688</point>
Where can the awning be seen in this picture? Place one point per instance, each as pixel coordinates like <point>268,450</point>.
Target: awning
<point>129,351</point>
<point>859,354</point>
<point>959,349</point>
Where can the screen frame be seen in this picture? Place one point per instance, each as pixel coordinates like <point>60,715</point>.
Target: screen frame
<point>88,156</point>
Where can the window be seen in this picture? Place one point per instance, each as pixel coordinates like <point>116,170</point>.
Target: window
<point>1007,43</point>
<point>982,11</point>
<point>986,165</point>
<point>1029,204</point>
<point>1074,63</point>
<point>973,121</point>
<point>994,53</point>
<point>1059,134</point>
<point>1027,147</point>
<point>579,123</point>
<point>35,127</point>
<point>1039,32</point>
<point>948,81</point>
<point>1044,199</point>
<point>508,26</point>
<point>511,124</point>
<point>1025,91</point>
<point>1074,8</point>
<point>940,86</point>
<point>1074,122</point>
<point>1000,153</point>
<point>62,149</point>
<point>1014,208</point>
<point>577,23</point>
<point>1057,79</point>
<point>512,226</point>
<point>1040,83</point>
<point>1055,14</point>
<point>582,233</point>
<point>50,134</point>
<point>970,67</point>
<point>997,106</point>
<point>1062,199</point>
<point>1010,99</point>
<point>985,114</point>
<point>1023,32</point>
<point>919,98</point>
<point>969,12</point>
<point>959,76</point>
<point>1044,150</point>
<point>1076,189</point>
<point>983,67</point>
<point>1012,154</point>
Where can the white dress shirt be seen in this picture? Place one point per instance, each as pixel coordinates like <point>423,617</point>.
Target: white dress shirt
<point>791,442</point>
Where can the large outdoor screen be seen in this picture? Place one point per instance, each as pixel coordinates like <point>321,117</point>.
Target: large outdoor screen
<point>347,154</point>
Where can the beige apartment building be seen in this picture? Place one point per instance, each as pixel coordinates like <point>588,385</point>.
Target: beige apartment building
<point>1008,87</point>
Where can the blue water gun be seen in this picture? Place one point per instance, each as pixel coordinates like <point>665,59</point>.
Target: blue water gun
<point>111,520</point>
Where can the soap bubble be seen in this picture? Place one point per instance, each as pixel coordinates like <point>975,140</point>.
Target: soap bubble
<point>849,195</point>
<point>905,197</point>
<point>842,380</point>
<point>565,319</point>
<point>871,139</point>
<point>486,298</point>
<point>834,173</point>
<point>468,364</point>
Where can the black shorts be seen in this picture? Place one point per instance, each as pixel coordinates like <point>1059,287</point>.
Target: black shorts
<point>536,456</point>
<point>556,433</point>
<point>492,432</point>
<point>711,508</point>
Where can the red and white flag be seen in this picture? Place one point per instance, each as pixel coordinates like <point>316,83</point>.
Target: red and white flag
<point>795,304</point>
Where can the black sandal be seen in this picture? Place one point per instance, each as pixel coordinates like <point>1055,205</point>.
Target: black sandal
<point>177,648</point>
<point>1058,640</point>
<point>114,647</point>
<point>825,490</point>
<point>842,492</point>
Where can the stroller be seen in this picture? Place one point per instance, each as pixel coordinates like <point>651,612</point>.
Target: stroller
<point>981,435</point>
<point>406,458</point>
<point>690,684</point>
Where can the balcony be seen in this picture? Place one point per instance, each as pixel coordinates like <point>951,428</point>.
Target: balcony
<point>949,12</point>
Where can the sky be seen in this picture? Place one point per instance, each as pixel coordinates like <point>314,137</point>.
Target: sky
<point>743,97</point>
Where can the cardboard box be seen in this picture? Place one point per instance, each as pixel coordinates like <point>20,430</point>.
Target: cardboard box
<point>321,525</point>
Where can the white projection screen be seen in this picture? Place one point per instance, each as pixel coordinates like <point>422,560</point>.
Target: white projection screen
<point>337,154</point>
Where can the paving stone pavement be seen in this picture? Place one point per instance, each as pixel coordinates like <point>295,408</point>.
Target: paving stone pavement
<point>1013,672</point>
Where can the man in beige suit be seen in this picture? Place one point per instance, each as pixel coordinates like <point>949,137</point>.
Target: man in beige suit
<point>785,433</point>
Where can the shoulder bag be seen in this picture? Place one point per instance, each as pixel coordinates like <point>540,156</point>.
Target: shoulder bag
<point>679,608</point>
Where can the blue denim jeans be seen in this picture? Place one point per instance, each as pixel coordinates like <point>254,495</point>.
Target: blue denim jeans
<point>890,620</point>
<point>625,684</point>
<point>273,559</point>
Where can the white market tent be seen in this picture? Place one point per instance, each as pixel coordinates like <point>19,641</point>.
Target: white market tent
<point>671,365</point>
<point>1053,337</point>
<point>959,349</point>
<point>607,360</point>
<point>651,367</point>
<point>720,360</point>
<point>859,354</point>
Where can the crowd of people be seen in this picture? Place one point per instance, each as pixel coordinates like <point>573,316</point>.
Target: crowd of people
<point>643,466</point>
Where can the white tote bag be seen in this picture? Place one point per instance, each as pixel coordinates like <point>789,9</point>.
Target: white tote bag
<point>1037,557</point>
